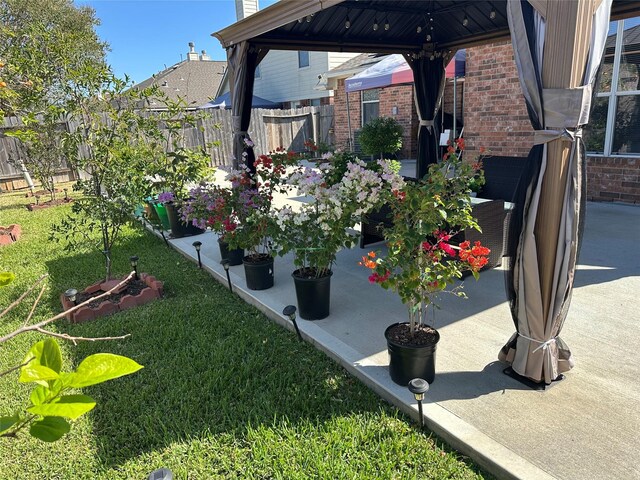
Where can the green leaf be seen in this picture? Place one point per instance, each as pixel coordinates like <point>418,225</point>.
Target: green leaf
<point>69,406</point>
<point>37,373</point>
<point>49,429</point>
<point>101,367</point>
<point>6,278</point>
<point>7,422</point>
<point>39,395</point>
<point>46,353</point>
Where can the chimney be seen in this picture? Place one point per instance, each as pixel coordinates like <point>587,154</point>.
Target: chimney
<point>192,55</point>
<point>204,56</point>
<point>244,8</point>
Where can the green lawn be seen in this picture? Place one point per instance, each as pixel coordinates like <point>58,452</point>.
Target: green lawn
<point>224,393</point>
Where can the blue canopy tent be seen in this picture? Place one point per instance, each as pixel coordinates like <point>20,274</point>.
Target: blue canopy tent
<point>224,101</point>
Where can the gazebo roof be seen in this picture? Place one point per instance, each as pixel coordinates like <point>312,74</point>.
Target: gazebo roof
<point>321,24</point>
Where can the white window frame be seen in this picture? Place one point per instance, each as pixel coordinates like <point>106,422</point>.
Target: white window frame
<point>363,102</point>
<point>613,95</point>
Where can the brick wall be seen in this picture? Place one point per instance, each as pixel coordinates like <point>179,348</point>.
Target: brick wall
<point>494,110</point>
<point>496,118</point>
<point>613,179</point>
<point>401,96</point>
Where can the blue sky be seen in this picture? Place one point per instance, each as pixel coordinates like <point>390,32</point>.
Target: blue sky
<point>145,35</point>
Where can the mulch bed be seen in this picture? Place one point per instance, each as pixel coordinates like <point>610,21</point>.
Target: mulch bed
<point>50,203</point>
<point>134,293</point>
<point>134,287</point>
<point>423,337</point>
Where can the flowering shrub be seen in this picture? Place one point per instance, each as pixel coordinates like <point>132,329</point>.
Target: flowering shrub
<point>423,260</point>
<point>242,213</point>
<point>320,228</point>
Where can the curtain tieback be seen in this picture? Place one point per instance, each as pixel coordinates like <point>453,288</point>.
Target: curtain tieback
<point>546,136</point>
<point>427,123</point>
<point>543,345</point>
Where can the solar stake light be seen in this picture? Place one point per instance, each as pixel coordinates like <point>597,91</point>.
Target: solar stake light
<point>197,245</point>
<point>225,265</point>
<point>37,199</point>
<point>161,474</point>
<point>134,264</point>
<point>71,295</point>
<point>419,387</point>
<point>290,311</point>
<point>66,197</point>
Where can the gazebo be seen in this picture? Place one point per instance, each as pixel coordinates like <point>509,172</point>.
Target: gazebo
<point>558,47</point>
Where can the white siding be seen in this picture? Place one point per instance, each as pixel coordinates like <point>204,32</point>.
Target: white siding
<point>336,59</point>
<point>282,81</point>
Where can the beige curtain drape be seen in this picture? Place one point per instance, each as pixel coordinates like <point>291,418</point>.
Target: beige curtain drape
<point>558,46</point>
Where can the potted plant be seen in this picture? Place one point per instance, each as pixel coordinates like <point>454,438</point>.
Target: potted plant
<point>176,164</point>
<point>319,229</point>
<point>251,201</point>
<point>212,206</point>
<point>422,261</point>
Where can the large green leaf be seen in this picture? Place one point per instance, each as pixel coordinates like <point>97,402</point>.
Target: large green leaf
<point>7,422</point>
<point>69,406</point>
<point>39,395</point>
<point>6,278</point>
<point>49,429</point>
<point>43,362</point>
<point>101,367</point>
<point>37,373</point>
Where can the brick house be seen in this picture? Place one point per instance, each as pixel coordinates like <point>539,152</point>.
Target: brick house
<point>393,101</point>
<point>495,116</point>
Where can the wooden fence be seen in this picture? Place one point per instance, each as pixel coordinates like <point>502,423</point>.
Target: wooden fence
<point>269,129</point>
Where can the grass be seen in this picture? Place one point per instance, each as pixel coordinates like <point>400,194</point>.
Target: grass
<point>224,393</point>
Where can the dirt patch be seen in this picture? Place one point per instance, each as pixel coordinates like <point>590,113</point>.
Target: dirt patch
<point>424,335</point>
<point>134,287</point>
<point>136,292</point>
<point>50,203</point>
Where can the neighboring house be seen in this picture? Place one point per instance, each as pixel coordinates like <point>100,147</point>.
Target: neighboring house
<point>394,101</point>
<point>289,77</point>
<point>195,79</point>
<point>495,117</point>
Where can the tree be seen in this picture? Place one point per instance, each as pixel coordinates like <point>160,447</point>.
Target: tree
<point>42,42</point>
<point>381,136</point>
<point>112,142</point>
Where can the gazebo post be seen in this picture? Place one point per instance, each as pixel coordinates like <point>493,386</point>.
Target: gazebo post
<point>570,23</point>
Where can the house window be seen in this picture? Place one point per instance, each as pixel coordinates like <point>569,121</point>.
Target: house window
<point>370,105</point>
<point>303,59</point>
<point>257,74</point>
<point>614,125</point>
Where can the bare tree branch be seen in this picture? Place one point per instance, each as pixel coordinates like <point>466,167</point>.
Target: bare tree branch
<point>22,297</point>
<point>35,304</point>
<point>7,372</point>
<point>36,326</point>
<point>75,340</point>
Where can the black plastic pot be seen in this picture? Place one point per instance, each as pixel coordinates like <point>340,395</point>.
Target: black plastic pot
<point>178,227</point>
<point>258,272</point>
<point>233,256</point>
<point>313,295</point>
<point>408,362</point>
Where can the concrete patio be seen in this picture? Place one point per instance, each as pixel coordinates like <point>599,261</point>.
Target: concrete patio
<point>585,427</point>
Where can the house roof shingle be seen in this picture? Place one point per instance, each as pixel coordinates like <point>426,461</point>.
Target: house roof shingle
<point>196,81</point>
